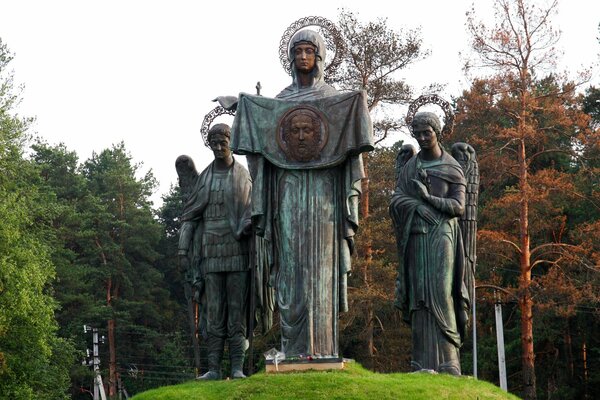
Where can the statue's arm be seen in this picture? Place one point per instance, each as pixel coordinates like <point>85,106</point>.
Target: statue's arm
<point>453,205</point>
<point>186,235</point>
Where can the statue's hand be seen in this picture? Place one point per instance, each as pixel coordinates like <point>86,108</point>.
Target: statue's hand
<point>247,228</point>
<point>462,318</point>
<point>421,188</point>
<point>184,262</point>
<point>427,214</point>
<point>199,289</point>
<point>350,241</point>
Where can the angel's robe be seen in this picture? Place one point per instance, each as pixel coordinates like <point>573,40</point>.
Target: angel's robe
<point>430,287</point>
<point>306,210</point>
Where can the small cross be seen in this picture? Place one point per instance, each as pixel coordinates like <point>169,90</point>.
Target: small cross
<point>258,87</point>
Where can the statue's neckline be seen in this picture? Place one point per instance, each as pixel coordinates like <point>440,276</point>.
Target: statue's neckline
<point>430,162</point>
<point>222,171</point>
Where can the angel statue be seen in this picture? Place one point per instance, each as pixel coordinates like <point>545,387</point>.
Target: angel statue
<point>214,244</point>
<point>434,214</point>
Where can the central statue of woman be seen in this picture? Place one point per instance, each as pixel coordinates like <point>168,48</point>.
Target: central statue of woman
<point>304,154</point>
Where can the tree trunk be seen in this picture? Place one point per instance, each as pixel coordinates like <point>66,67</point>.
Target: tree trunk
<point>585,370</point>
<point>112,356</point>
<point>526,302</point>
<point>112,360</point>
<point>569,350</point>
<point>528,355</point>
<point>112,363</point>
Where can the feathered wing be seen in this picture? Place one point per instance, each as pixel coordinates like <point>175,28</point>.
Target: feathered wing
<point>187,173</point>
<point>405,154</point>
<point>465,155</point>
<point>194,284</point>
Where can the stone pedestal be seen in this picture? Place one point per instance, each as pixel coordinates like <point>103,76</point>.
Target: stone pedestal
<point>320,364</point>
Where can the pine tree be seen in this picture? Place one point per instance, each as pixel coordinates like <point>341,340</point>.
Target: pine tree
<point>34,361</point>
<point>523,126</point>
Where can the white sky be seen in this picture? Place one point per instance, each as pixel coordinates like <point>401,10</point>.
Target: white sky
<point>145,72</point>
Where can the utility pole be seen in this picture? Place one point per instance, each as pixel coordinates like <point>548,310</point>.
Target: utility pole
<point>99,393</point>
<point>500,340</point>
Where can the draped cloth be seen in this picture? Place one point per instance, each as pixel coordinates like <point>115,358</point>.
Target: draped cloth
<point>430,287</point>
<point>306,210</point>
<point>346,118</point>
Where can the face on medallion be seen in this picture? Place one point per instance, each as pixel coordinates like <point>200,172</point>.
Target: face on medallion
<point>303,137</point>
<point>304,57</point>
<point>219,144</point>
<point>425,135</point>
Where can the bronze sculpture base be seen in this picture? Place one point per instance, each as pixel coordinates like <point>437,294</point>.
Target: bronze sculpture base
<point>322,364</point>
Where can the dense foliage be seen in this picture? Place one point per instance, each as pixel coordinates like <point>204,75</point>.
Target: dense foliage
<point>34,361</point>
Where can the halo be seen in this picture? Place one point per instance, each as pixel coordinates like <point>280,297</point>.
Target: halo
<point>208,120</point>
<point>332,36</point>
<point>432,99</point>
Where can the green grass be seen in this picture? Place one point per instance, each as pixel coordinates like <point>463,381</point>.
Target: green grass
<point>354,382</point>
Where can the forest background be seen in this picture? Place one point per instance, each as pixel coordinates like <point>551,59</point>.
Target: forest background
<point>81,243</point>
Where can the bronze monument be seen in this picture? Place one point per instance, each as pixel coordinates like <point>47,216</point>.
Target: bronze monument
<point>214,246</point>
<point>434,287</point>
<point>304,154</point>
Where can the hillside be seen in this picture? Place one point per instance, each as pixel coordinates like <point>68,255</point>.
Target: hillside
<point>354,382</point>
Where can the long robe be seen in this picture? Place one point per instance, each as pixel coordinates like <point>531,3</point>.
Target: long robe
<point>430,288</point>
<point>307,212</point>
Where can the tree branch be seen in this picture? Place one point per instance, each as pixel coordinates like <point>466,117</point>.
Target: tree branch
<point>542,246</point>
<point>513,244</point>
<point>500,289</point>
<point>548,151</point>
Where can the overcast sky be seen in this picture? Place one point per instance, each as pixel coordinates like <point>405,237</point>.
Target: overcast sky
<point>145,72</point>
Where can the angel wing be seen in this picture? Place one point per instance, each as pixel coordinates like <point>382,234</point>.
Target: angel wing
<point>466,157</point>
<point>186,170</point>
<point>405,154</point>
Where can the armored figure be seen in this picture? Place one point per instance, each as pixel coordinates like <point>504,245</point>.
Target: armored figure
<point>214,244</point>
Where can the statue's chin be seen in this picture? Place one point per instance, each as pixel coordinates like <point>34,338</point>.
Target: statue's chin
<point>304,156</point>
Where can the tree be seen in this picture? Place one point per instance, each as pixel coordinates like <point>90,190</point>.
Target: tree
<point>34,361</point>
<point>113,262</point>
<point>591,105</point>
<point>523,126</point>
<point>375,54</point>
<point>121,236</point>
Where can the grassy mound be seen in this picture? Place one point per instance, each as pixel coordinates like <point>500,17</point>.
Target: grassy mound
<point>354,382</point>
